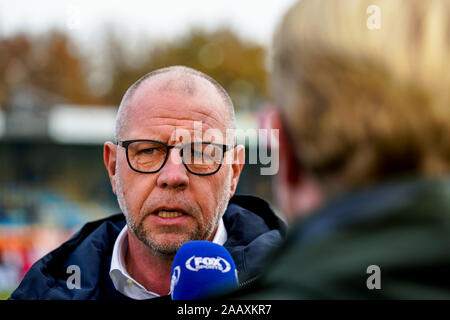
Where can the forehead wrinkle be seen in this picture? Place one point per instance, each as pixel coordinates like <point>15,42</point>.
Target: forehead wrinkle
<point>215,120</point>
<point>216,116</point>
<point>175,123</point>
<point>163,132</point>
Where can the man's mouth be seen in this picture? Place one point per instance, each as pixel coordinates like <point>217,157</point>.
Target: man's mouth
<point>169,214</point>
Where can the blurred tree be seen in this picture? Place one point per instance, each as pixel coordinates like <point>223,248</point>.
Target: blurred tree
<point>236,64</point>
<point>53,63</point>
<point>50,63</point>
<point>61,70</point>
<point>14,54</point>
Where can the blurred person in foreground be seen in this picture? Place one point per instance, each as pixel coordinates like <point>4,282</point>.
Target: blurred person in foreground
<point>171,188</point>
<point>364,120</point>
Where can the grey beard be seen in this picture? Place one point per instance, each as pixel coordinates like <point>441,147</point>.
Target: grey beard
<point>168,251</point>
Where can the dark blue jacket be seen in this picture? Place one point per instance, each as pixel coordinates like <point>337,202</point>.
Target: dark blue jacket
<point>400,227</point>
<point>253,230</point>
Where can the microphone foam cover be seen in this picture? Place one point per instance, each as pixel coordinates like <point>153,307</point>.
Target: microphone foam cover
<point>201,269</point>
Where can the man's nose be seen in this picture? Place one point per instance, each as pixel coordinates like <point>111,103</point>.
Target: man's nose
<point>173,174</point>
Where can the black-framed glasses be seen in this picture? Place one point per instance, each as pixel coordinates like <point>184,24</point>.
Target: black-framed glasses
<point>149,156</point>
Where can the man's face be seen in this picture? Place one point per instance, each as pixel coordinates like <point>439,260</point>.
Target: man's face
<point>167,208</point>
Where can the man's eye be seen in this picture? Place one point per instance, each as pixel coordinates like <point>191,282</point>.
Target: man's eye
<point>148,151</point>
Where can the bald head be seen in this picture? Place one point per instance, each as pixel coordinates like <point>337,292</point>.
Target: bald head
<point>175,79</point>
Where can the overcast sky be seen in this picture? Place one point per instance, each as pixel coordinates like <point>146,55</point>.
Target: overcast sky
<point>254,19</point>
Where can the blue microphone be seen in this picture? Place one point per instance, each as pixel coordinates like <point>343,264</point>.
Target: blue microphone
<point>202,269</point>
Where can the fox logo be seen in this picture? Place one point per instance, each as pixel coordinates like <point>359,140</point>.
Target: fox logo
<point>197,263</point>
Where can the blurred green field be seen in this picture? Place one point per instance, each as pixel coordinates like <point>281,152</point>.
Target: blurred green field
<point>4,295</point>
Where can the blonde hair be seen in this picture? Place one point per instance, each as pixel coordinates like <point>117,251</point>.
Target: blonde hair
<point>362,103</point>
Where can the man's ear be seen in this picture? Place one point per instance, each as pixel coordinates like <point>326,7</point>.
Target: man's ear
<point>109,158</point>
<point>236,167</point>
<point>293,168</point>
<point>290,170</point>
<point>296,190</point>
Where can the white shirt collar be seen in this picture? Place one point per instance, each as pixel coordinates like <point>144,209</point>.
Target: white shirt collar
<point>121,279</point>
